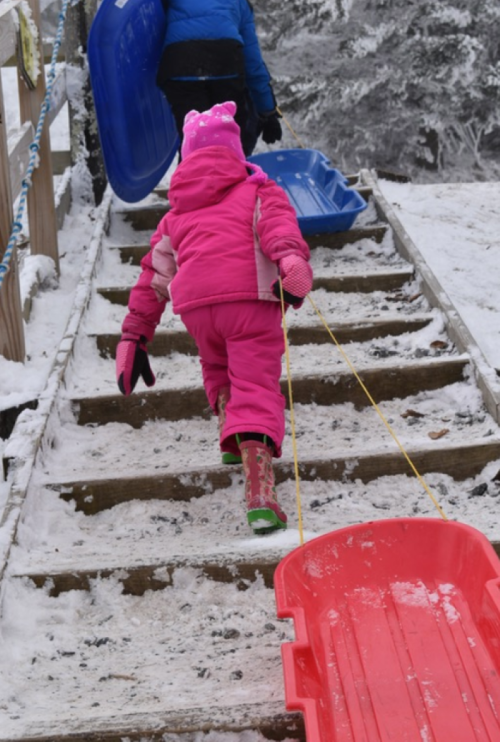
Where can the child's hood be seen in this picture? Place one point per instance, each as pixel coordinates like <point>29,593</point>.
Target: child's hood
<point>204,178</point>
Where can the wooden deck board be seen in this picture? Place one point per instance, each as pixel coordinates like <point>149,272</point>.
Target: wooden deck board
<point>166,341</point>
<point>176,404</point>
<point>461,462</point>
<point>356,283</point>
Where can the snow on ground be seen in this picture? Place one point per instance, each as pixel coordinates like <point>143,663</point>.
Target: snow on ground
<point>456,227</point>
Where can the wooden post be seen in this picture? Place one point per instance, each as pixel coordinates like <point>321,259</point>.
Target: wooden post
<point>83,128</point>
<point>12,345</point>
<point>41,206</point>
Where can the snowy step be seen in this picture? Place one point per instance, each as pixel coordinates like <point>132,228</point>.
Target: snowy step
<point>136,575</point>
<point>398,380</point>
<point>180,342</point>
<point>147,219</point>
<point>166,661</point>
<point>446,430</point>
<point>177,365</point>
<point>355,283</point>
<point>149,534</point>
<point>264,720</point>
<point>352,181</point>
<point>334,308</point>
<point>92,495</point>
<point>363,256</point>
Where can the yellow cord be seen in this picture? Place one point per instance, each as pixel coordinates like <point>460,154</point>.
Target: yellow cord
<point>386,423</point>
<point>292,419</point>
<point>293,133</point>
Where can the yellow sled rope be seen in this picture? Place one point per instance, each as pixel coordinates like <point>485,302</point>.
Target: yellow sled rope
<point>372,401</point>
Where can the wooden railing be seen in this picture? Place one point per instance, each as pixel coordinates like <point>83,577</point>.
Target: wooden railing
<point>18,179</point>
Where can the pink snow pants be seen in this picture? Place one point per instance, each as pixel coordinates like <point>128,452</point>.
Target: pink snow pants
<point>241,346</point>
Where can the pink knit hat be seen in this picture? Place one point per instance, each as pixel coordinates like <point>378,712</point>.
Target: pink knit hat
<point>216,126</point>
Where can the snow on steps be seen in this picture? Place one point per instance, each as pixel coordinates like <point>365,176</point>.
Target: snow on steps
<point>160,617</point>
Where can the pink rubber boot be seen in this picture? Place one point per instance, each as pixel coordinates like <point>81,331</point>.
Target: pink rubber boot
<point>263,512</point>
<point>222,400</point>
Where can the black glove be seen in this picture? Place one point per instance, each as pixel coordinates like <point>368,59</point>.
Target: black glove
<point>131,362</point>
<point>271,127</point>
<point>294,301</point>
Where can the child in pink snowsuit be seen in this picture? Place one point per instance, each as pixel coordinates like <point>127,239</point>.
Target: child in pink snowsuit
<point>218,255</point>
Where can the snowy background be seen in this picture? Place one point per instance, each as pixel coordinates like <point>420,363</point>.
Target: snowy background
<point>406,86</point>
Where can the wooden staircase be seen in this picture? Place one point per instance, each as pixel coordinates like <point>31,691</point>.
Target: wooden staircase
<point>159,524</point>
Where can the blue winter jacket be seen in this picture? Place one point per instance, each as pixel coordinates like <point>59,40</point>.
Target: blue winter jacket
<point>229,22</point>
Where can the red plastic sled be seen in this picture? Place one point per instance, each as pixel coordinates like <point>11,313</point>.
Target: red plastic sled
<point>397,628</point>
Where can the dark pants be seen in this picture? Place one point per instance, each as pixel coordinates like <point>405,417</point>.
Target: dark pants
<point>200,95</point>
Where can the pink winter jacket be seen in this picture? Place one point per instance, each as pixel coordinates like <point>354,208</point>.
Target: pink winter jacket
<point>220,242</point>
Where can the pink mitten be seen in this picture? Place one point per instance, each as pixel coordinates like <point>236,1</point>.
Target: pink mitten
<point>131,362</point>
<point>296,279</point>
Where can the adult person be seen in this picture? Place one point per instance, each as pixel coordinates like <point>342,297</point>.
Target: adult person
<point>211,54</point>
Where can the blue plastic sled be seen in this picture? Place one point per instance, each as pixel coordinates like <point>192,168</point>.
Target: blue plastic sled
<point>137,130</point>
<point>318,192</point>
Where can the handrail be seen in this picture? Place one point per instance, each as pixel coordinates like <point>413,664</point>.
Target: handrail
<point>34,148</point>
<point>26,175</point>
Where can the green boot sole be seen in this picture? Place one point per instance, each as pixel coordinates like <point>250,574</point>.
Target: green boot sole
<point>231,458</point>
<point>264,520</point>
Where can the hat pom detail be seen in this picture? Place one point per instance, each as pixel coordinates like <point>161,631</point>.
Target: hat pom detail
<point>213,127</point>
